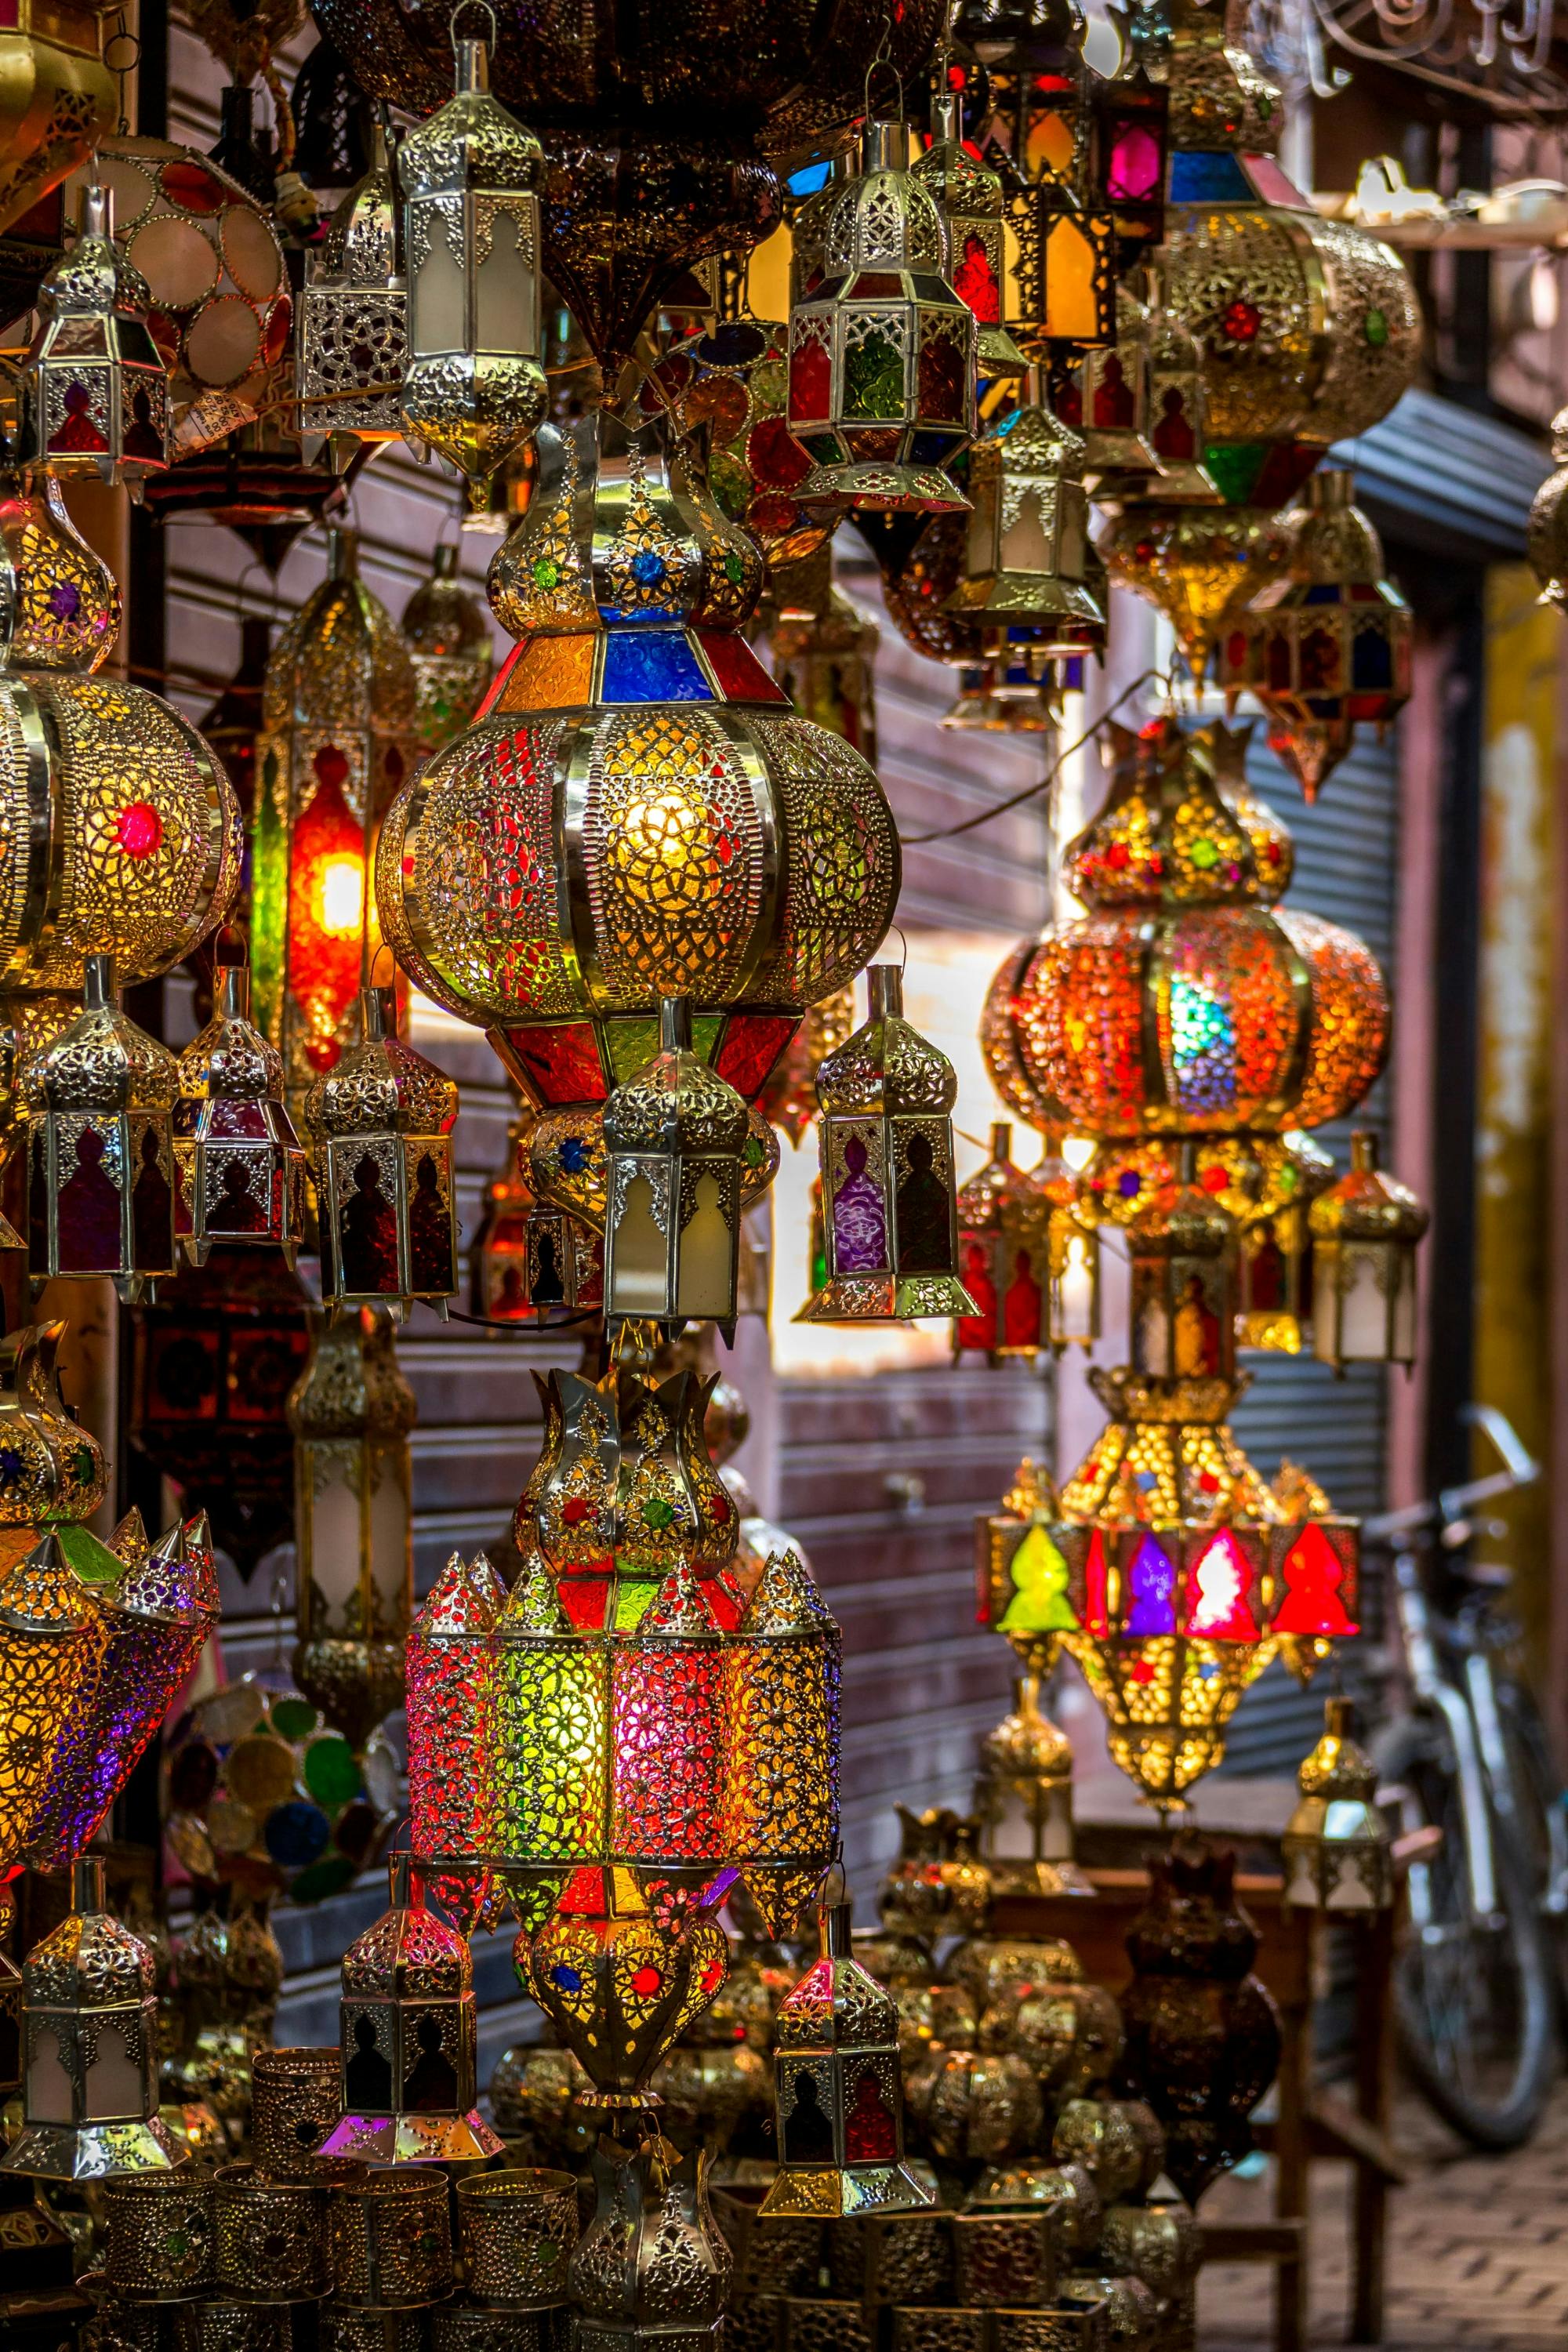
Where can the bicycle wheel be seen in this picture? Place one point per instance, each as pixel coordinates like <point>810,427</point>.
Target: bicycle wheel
<point>1475,2000</point>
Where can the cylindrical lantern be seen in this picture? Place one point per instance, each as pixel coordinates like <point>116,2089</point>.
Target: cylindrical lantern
<point>475,387</point>
<point>100,1157</point>
<point>451,1675</point>
<point>780,1741</point>
<point>1365,1230</point>
<point>890,1220</point>
<point>95,389</point>
<point>90,2021</point>
<point>241,1169</point>
<point>674,1134</point>
<point>351,1412</point>
<point>380,1125</point>
<point>1055,1213</point>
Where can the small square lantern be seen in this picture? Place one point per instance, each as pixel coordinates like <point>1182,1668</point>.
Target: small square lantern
<point>838,2089</point>
<point>352,340</point>
<point>1132,139</point>
<point>1114,400</point>
<point>650,2273</point>
<point>675,1135</point>
<point>1067,269</point>
<point>90,2027</point>
<point>970,200</point>
<point>1028,564</point>
<point>381,1131</point>
<point>409,2039</point>
<point>475,387</point>
<point>1064,1249</point>
<point>1366,1233</point>
<point>96,389</point>
<point>890,1214</point>
<point>1337,1850</point>
<point>1182,1301</point>
<point>100,1155</point>
<point>882,351</point>
<point>241,1169</point>
<point>996,1258</point>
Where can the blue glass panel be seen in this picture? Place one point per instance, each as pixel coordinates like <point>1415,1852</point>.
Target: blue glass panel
<point>1371,661</point>
<point>808,179</point>
<point>1327,592</point>
<point>652,666</point>
<point>1208,178</point>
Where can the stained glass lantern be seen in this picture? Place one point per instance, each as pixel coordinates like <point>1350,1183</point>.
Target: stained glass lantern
<point>1060,1222</point>
<point>838,2090</point>
<point>886,1138</point>
<point>241,1169</point>
<point>780,1741</point>
<point>351,341</point>
<point>51,1468</point>
<point>1182,1252</point>
<point>1111,410</point>
<point>452,1696</point>
<point>1337,1850</point>
<point>674,1134</point>
<point>155,1606</point>
<point>350,1412</point>
<point>1028,563</point>
<point>616,1985</point>
<point>530,1261</point>
<point>95,392</point>
<point>447,633</point>
<point>552,1745</point>
<point>1328,646</point>
<point>882,352</point>
<point>651,2271</point>
<point>1000,1278</point>
<point>969,198</point>
<point>1314,1573</point>
<point>732,378</point>
<point>1177,405</point>
<point>50,1643</point>
<point>380,1125</point>
<point>1365,1230</point>
<point>339,738</point>
<point>100,1159</point>
<point>409,2039</point>
<point>1132,138</point>
<point>90,2029</point>
<point>475,387</point>
<point>1021,1576</point>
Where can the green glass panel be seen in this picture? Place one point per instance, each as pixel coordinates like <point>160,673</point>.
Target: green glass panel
<point>1234,466</point>
<point>331,1773</point>
<point>874,378</point>
<point>294,1718</point>
<point>632,1043</point>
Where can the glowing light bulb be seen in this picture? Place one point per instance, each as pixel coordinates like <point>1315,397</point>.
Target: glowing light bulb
<point>341,896</point>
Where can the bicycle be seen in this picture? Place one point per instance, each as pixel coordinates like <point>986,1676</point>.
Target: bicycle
<point>1482,1978</point>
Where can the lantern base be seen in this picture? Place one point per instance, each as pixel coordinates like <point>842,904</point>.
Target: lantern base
<point>887,1298</point>
<point>412,2139</point>
<point>882,489</point>
<point>842,2192</point>
<point>96,2152</point>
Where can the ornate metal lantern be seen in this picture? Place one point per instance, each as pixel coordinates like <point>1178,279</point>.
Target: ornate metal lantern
<point>995,1263</point>
<point>91,2024</point>
<point>969,199</point>
<point>451,1678</point>
<point>498,1262</point>
<point>50,1643</point>
<point>351,1412</point>
<point>882,352</point>
<point>839,2090</point>
<point>619,1985</point>
<point>409,2039</point>
<point>1182,1249</point>
<point>1327,648</point>
<point>1314,1571</point>
<point>380,1126</point>
<point>1132,140</point>
<point>339,741</point>
<point>95,389</point>
<point>885,1136</point>
<point>447,633</point>
<point>1021,1578</point>
<point>1337,1850</point>
<point>100,1159</point>
<point>780,1737</point>
<point>241,1169</point>
<point>674,1134</point>
<point>475,387</point>
<point>51,1468</point>
<point>1365,1233</point>
<point>1177,405</point>
<point>1062,1231</point>
<point>733,378</point>
<point>650,2273</point>
<point>61,98</point>
<point>1028,559</point>
<point>1111,406</point>
<point>352,339</point>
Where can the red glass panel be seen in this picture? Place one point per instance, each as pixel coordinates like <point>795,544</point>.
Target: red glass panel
<point>78,434</point>
<point>562,1065</point>
<point>775,456</point>
<point>750,1049</point>
<point>1313,1573</point>
<point>870,2135</point>
<point>737,673</point>
<point>942,371</point>
<point>975,281</point>
<point>810,381</point>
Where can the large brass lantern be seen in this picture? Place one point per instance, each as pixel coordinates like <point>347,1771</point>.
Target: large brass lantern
<point>475,387</point>
<point>59,97</point>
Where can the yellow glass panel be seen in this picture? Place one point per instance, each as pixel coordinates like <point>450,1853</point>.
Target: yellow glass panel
<point>551,673</point>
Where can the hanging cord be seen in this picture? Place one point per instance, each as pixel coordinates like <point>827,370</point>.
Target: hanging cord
<point>129,45</point>
<point>1032,791</point>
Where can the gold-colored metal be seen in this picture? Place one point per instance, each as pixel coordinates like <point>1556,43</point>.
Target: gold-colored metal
<point>59,1472</point>
<point>969,198</point>
<point>351,339</point>
<point>781,1728</point>
<point>241,1168</point>
<point>516,2230</point>
<point>294,2098</point>
<point>1365,1230</point>
<point>1337,1847</point>
<point>1028,563</point>
<point>1199,565</point>
<point>674,1135</point>
<point>95,389</point>
<point>271,2237</point>
<point>652,2268</point>
<point>447,633</point>
<point>59,98</point>
<point>389,2240</point>
<point>162,2238</point>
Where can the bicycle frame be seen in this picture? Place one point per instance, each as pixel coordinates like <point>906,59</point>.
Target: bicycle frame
<point>1432,1689</point>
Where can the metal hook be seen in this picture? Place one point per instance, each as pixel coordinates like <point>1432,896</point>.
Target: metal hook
<point>456,16</point>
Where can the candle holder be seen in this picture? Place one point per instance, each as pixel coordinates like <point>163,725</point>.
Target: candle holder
<point>161,2241</point>
<point>1005,2259</point>
<point>295,2099</point>
<point>516,2230</point>
<point>389,2242</point>
<point>271,2246</point>
<point>346,2328</point>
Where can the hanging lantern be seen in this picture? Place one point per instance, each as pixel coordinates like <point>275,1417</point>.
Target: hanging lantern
<point>552,1745</point>
<point>51,1468</point>
<point>1548,538</point>
<point>651,2270</point>
<point>1197,565</point>
<point>782,1679</point>
<point>451,1678</point>
<point>50,1641</point>
<point>352,344</point>
<point>155,1617</point>
<point>351,1412</point>
<point>91,2026</point>
<point>1112,401</point>
<point>1182,1253</point>
<point>1177,409</point>
<point>733,380</point>
<point>100,1158</point>
<point>674,1134</point>
<point>339,738</point>
<point>838,2090</point>
<point>1029,1760</point>
<point>95,391</point>
<point>475,387</point>
<point>1365,1229</point>
<point>1132,140</point>
<point>882,371</point>
<point>1021,1576</point>
<point>616,1985</point>
<point>886,1135</point>
<point>1062,1236</point>
<point>447,633</point>
<point>1314,1561</point>
<point>1028,563</point>
<point>61,98</point>
<point>241,1171</point>
<point>409,2039</point>
<point>999,1279</point>
<point>379,1124</point>
<point>969,200</point>
<point>531,1261</point>
<point>1337,1850</point>
<point>1328,646</point>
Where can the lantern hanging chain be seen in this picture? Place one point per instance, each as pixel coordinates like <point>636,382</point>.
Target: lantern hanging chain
<point>1164,677</point>
<point>129,47</point>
